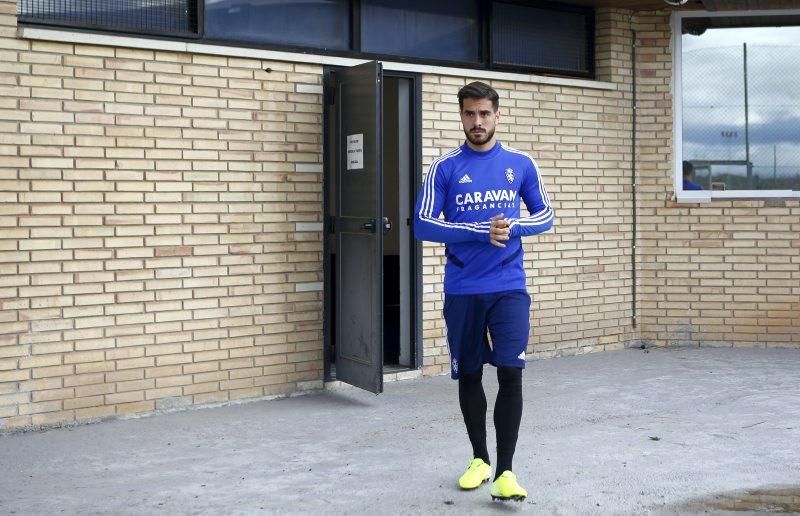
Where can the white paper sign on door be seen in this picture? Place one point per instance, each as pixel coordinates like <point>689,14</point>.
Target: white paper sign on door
<point>355,151</point>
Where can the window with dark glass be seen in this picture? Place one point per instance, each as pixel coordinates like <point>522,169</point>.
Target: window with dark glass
<point>495,35</point>
<point>322,24</point>
<point>444,30</point>
<point>174,17</point>
<point>740,110</point>
<point>544,38</point>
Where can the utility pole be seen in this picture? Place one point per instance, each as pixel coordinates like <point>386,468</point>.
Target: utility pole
<point>774,163</point>
<point>747,125</point>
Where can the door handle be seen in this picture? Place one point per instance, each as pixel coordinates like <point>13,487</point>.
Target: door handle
<point>370,225</point>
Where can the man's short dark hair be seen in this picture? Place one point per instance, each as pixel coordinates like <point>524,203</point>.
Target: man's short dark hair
<point>478,90</point>
<point>688,168</point>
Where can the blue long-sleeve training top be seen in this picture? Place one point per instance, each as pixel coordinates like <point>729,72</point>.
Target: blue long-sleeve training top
<point>470,187</point>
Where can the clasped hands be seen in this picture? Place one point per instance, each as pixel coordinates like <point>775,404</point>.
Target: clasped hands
<point>499,230</point>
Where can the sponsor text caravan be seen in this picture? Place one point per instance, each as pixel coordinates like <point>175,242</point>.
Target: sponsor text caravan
<point>488,200</point>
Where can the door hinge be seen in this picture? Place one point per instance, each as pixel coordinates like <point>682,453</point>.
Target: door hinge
<point>331,225</point>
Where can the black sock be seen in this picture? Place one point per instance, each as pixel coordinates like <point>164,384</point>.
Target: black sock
<point>507,416</point>
<point>473,406</point>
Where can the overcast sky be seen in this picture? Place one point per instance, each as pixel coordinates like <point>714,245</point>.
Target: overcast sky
<point>713,95</point>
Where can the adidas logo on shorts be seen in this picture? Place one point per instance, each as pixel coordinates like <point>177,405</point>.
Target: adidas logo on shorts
<point>521,356</point>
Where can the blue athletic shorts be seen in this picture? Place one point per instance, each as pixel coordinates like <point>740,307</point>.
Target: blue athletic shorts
<point>474,318</point>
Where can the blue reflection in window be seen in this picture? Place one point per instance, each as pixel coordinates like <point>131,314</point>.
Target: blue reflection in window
<point>446,29</point>
<point>323,24</point>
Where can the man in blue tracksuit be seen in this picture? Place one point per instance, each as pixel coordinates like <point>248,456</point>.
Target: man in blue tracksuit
<point>688,177</point>
<point>479,187</point>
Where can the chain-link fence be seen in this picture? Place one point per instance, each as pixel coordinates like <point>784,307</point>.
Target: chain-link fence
<point>168,17</point>
<point>741,116</point>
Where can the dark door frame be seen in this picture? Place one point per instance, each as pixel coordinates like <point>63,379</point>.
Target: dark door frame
<point>414,185</point>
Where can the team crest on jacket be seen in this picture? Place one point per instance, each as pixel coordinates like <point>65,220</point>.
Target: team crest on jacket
<point>510,175</point>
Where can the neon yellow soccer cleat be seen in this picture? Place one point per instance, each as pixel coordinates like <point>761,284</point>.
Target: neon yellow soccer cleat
<point>477,473</point>
<point>507,488</point>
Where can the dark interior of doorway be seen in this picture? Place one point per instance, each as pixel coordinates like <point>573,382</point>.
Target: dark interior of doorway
<point>401,324</point>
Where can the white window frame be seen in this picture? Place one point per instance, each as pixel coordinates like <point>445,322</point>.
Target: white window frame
<point>695,196</point>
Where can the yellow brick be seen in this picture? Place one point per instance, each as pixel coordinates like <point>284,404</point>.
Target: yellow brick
<point>141,407</point>
<point>94,413</point>
<point>52,395</point>
<point>84,402</point>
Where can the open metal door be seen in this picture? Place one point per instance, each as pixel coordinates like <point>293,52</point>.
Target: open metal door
<point>359,227</point>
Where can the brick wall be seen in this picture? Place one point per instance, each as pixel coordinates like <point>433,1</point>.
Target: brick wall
<point>160,229</point>
<point>725,273</point>
<point>160,225</point>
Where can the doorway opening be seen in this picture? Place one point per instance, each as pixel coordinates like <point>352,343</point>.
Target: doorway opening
<point>401,306</point>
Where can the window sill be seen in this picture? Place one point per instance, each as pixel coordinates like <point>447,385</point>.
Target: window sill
<point>66,36</point>
<point>704,196</point>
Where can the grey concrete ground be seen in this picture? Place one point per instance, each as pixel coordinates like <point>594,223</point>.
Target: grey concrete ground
<point>625,432</point>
